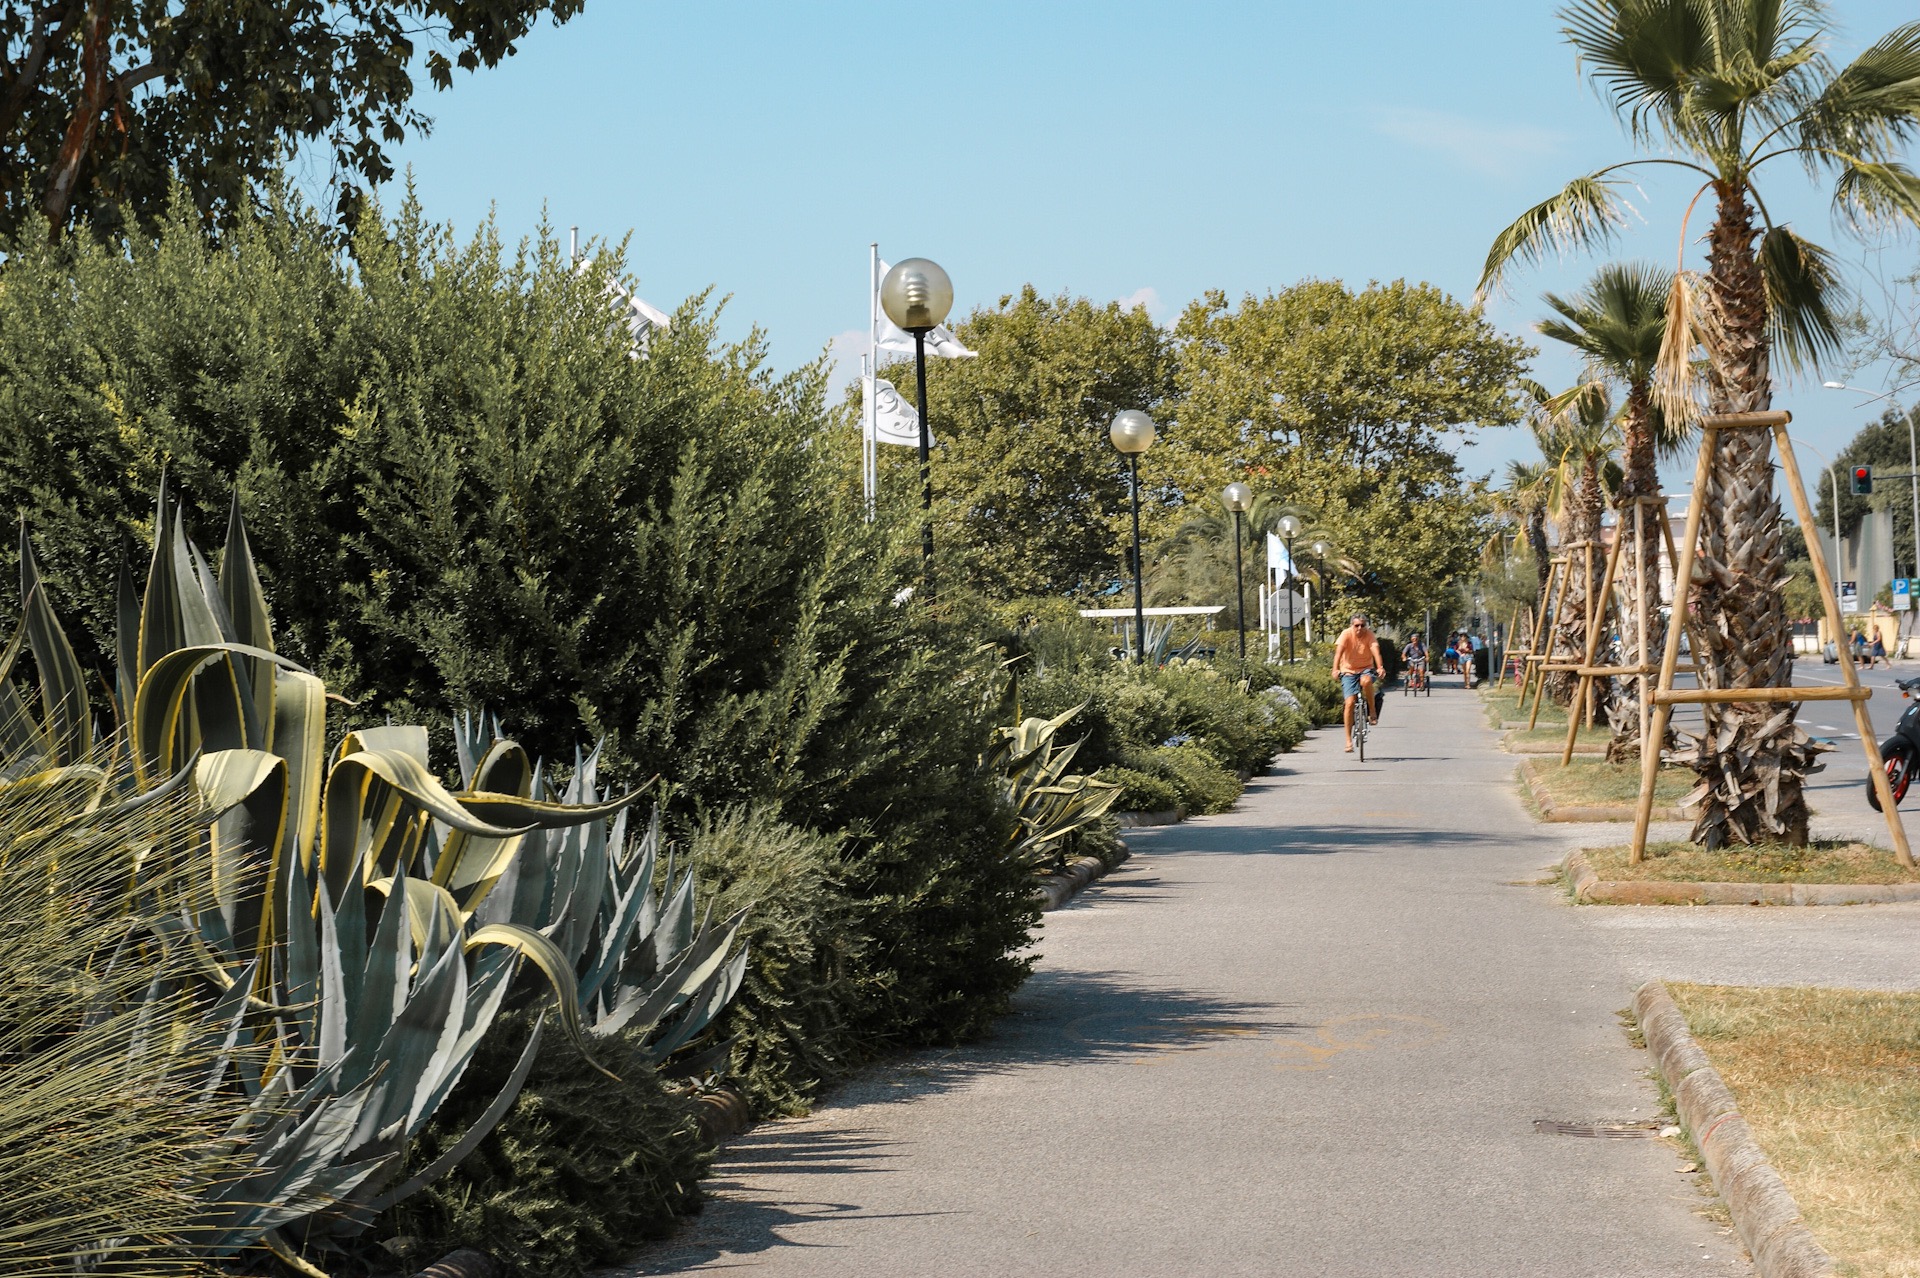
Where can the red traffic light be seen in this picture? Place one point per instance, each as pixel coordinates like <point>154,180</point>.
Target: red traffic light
<point>1861,472</point>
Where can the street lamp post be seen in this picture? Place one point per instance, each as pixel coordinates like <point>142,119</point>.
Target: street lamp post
<point>916,295</point>
<point>1238,497</point>
<point>1288,527</point>
<point>1320,549</point>
<point>1132,433</point>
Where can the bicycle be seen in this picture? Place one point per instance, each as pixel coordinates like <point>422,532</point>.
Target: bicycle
<point>1416,683</point>
<point>1361,719</point>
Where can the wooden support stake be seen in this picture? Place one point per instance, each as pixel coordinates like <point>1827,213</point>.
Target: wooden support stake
<point>1876,766</point>
<point>1559,601</point>
<point>1587,693</point>
<point>1682,588</point>
<point>1718,696</point>
<point>1533,640</point>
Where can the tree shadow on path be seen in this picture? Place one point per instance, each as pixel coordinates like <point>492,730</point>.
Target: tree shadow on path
<point>1060,1019</point>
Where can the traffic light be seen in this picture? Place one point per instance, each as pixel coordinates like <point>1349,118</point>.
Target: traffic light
<point>1862,480</point>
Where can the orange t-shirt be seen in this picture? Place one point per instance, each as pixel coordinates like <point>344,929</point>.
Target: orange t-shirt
<point>1357,650</point>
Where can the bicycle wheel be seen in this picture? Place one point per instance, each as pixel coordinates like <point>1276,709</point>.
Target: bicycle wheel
<point>1360,733</point>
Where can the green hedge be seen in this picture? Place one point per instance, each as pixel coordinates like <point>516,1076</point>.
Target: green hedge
<point>465,491</point>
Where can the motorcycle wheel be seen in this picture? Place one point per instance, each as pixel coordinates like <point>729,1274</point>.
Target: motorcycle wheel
<point>1899,764</point>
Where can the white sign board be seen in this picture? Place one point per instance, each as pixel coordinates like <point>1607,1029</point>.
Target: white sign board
<point>1849,598</point>
<point>1903,594</point>
<point>1289,608</point>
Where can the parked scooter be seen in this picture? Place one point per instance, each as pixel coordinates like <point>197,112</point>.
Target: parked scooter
<point>1901,751</point>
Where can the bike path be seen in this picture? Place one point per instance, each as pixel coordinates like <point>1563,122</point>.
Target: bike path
<point>1309,1036</point>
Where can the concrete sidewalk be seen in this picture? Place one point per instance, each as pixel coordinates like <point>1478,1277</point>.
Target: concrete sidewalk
<point>1308,1037</point>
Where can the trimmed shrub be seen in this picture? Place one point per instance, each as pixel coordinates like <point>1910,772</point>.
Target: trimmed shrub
<point>1199,779</point>
<point>1141,791</point>
<point>791,1024</point>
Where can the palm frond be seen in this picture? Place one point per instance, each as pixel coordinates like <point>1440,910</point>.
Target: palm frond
<point>1677,385</point>
<point>1584,214</point>
<point>1871,195</point>
<point>1872,106</point>
<point>1617,320</point>
<point>1641,55</point>
<point>1804,299</point>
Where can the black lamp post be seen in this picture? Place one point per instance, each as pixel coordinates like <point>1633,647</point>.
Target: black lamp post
<point>916,295</point>
<point>1237,497</point>
<point>1132,433</point>
<point>1288,527</point>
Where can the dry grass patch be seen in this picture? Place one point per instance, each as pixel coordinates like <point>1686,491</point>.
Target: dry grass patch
<point>1830,1082</point>
<point>1556,735</point>
<point>1503,706</point>
<point>1595,781</point>
<point>1819,862</point>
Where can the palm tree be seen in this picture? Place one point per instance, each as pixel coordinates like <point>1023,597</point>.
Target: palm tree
<point>1528,484</point>
<point>1726,87</point>
<point>1576,430</point>
<point>1619,322</point>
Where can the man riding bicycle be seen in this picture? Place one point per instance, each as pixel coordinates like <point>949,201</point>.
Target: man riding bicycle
<point>1356,664</point>
<point>1414,657</point>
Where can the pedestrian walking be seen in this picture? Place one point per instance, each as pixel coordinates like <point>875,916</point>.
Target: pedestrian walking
<point>1879,652</point>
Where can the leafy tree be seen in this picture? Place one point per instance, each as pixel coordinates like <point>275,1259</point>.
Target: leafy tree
<point>1352,405</point>
<point>1726,87</point>
<point>1032,498</point>
<point>1619,322</point>
<point>1882,444</point>
<point>102,100</point>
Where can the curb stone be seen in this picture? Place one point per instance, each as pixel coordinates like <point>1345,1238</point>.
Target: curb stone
<point>1764,1212</point>
<point>1057,889</point>
<point>1167,816</point>
<point>1583,812</point>
<point>1590,889</point>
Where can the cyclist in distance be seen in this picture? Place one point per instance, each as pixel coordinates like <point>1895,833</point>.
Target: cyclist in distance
<point>1414,657</point>
<point>1356,664</point>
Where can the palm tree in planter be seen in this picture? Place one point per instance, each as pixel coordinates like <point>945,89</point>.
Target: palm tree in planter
<point>1619,321</point>
<point>1576,430</point>
<point>1724,88</point>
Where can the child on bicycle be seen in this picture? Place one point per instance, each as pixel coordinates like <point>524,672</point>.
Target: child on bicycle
<point>1414,657</point>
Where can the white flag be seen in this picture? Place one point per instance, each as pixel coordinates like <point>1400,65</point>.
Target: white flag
<point>1277,560</point>
<point>639,317</point>
<point>940,339</point>
<point>891,419</point>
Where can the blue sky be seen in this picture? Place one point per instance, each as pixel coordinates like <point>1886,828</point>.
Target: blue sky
<point>1117,150</point>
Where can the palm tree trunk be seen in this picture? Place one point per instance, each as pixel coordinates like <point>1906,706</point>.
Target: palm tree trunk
<point>1542,553</point>
<point>1638,577</point>
<point>1753,767</point>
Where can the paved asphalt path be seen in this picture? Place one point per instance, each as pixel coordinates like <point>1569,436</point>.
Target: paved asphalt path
<point>1307,1037</point>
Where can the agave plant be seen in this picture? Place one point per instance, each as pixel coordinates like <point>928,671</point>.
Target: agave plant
<point>365,924</point>
<point>1050,802</point>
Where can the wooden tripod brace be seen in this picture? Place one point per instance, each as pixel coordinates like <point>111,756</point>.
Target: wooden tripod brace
<point>1666,696</point>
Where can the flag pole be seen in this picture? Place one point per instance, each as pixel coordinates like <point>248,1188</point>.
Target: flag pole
<point>872,449</point>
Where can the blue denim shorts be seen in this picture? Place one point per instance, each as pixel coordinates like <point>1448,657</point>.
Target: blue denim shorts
<point>1350,685</point>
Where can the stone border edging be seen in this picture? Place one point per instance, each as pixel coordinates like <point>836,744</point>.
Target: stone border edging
<point>1057,889</point>
<point>1583,812</point>
<point>1764,1212</point>
<point>1590,889</point>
